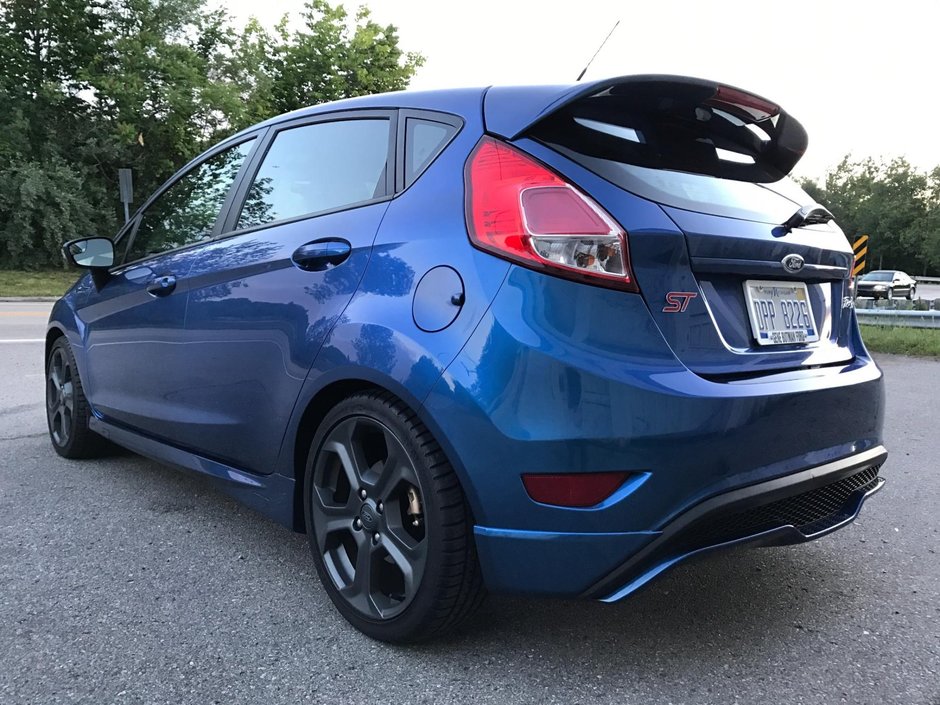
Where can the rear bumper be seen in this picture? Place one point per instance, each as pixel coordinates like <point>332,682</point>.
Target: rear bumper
<point>610,566</point>
<point>788,510</point>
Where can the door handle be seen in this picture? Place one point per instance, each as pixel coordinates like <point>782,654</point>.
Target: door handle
<point>162,286</point>
<point>321,255</point>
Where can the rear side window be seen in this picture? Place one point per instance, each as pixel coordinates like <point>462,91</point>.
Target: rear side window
<point>424,140</point>
<point>187,211</point>
<point>317,168</point>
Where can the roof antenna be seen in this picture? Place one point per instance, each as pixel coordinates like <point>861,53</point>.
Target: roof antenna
<point>584,71</point>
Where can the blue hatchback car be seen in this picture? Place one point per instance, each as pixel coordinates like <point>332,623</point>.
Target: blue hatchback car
<point>545,339</point>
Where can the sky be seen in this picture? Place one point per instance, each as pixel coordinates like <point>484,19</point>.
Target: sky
<point>861,76</point>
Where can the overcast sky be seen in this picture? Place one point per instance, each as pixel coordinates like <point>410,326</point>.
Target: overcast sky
<point>861,76</point>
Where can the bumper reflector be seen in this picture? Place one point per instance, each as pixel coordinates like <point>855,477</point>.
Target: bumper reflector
<point>583,489</point>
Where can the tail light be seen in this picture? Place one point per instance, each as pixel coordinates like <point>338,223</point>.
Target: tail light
<point>517,208</point>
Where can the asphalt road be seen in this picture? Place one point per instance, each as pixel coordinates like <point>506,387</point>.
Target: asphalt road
<point>928,291</point>
<point>122,581</point>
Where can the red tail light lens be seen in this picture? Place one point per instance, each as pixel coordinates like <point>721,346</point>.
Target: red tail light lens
<point>584,489</point>
<point>519,209</point>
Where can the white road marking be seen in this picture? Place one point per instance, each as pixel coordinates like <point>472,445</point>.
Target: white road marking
<point>24,340</point>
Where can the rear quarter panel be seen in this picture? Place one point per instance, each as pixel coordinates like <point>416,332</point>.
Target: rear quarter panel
<point>376,339</point>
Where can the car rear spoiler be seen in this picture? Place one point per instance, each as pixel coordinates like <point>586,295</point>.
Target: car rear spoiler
<point>674,122</point>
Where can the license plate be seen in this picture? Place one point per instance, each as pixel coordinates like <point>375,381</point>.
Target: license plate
<point>780,312</point>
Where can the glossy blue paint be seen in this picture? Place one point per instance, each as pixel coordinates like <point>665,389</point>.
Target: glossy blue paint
<point>712,337</point>
<point>533,373</point>
<point>551,562</point>
<point>438,299</point>
<point>255,322</point>
<point>129,333</point>
<point>560,376</point>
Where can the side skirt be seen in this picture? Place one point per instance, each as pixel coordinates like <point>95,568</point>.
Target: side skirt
<point>272,495</point>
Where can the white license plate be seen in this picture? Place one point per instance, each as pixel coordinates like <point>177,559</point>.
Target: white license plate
<point>780,312</point>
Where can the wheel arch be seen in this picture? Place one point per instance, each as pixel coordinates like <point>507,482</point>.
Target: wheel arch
<point>53,334</point>
<point>327,396</point>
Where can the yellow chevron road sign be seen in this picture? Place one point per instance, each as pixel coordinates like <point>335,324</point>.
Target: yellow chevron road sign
<point>860,246</point>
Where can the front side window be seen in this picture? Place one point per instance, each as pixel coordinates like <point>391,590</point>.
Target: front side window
<point>319,167</point>
<point>187,211</point>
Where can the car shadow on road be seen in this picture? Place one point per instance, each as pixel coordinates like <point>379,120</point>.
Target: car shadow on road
<point>704,609</point>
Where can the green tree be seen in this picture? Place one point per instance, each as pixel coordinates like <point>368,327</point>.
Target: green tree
<point>89,86</point>
<point>328,58</point>
<point>892,202</point>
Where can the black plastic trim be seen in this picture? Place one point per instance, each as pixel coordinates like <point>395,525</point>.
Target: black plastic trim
<point>667,545</point>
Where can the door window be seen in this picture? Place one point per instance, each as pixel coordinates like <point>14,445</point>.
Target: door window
<point>187,211</point>
<point>319,167</point>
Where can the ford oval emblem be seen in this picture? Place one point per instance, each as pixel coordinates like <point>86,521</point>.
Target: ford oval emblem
<point>793,263</point>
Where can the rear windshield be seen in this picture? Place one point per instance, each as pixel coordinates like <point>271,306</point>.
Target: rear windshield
<point>768,203</point>
<point>703,160</point>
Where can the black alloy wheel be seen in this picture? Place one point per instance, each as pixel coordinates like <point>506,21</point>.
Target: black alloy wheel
<point>60,397</point>
<point>388,524</point>
<point>67,410</point>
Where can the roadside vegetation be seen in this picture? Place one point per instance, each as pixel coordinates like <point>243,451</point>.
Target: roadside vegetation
<point>923,342</point>
<point>895,203</point>
<point>53,282</point>
<point>87,88</point>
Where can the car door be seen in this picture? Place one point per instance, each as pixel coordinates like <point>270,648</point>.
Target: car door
<point>133,325</point>
<point>267,292</point>
<point>902,283</point>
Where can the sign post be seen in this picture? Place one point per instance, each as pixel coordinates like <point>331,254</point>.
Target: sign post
<point>126,181</point>
<point>860,247</point>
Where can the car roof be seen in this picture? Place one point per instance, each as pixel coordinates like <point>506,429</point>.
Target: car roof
<point>458,101</point>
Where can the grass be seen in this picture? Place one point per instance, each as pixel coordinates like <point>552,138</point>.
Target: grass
<point>923,342</point>
<point>52,282</point>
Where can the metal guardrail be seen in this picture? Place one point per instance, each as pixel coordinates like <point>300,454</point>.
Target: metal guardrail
<point>906,319</point>
<point>928,280</point>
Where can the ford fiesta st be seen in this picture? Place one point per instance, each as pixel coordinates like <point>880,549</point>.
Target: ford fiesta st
<point>546,340</point>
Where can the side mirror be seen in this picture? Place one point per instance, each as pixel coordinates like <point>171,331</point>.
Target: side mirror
<point>90,253</point>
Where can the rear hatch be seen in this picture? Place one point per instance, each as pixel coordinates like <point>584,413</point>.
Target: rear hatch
<point>754,276</point>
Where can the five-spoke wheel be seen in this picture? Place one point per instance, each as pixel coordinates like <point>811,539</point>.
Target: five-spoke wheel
<point>367,513</point>
<point>388,524</point>
<point>67,409</point>
<point>60,399</point>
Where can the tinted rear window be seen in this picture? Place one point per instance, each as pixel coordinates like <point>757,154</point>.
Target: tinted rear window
<point>627,156</point>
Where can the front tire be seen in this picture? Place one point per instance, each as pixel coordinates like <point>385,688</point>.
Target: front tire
<point>67,410</point>
<point>388,523</point>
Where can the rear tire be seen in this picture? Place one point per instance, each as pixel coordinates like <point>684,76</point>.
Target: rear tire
<point>910,294</point>
<point>67,410</point>
<point>388,524</point>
